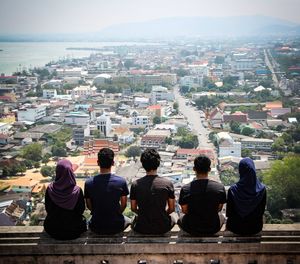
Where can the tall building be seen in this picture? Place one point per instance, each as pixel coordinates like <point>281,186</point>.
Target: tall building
<point>104,124</point>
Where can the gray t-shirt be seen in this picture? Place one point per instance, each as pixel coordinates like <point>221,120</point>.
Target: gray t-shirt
<point>152,194</point>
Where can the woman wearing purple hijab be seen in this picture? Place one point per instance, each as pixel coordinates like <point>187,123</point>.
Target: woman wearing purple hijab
<point>246,201</point>
<point>64,204</point>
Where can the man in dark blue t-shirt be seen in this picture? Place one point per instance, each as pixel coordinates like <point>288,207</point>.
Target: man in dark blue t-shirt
<point>106,197</point>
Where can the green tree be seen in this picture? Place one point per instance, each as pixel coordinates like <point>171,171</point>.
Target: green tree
<point>32,152</point>
<point>283,184</point>
<point>156,120</point>
<point>190,141</point>
<point>133,151</point>
<point>279,145</point>
<point>58,151</point>
<point>47,171</point>
<point>246,153</point>
<point>182,131</point>
<point>235,127</point>
<point>37,165</point>
<point>247,131</point>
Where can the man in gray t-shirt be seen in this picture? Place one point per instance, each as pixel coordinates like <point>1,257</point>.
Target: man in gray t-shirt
<point>149,197</point>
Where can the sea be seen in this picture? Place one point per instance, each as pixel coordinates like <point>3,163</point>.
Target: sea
<point>18,56</point>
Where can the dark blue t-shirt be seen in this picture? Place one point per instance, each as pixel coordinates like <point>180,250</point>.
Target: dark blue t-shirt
<point>105,192</point>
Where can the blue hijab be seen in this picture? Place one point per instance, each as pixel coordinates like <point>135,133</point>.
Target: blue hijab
<point>248,192</point>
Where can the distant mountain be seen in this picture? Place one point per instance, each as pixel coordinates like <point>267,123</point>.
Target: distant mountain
<point>175,27</point>
<point>202,26</point>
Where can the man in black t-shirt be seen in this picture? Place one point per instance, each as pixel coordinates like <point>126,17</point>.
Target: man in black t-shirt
<point>106,197</point>
<point>202,201</point>
<point>149,197</point>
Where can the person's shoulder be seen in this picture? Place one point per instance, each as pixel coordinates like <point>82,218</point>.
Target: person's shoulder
<point>186,187</point>
<point>216,184</point>
<point>117,178</point>
<point>89,181</point>
<point>163,180</point>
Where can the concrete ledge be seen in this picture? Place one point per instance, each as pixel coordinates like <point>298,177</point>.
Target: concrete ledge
<point>275,244</point>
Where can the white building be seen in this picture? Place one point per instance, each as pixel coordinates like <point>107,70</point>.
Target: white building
<point>141,102</point>
<point>160,93</point>
<point>77,118</point>
<point>104,124</point>
<point>83,91</point>
<point>140,120</point>
<point>4,128</point>
<point>102,79</point>
<point>56,84</point>
<point>73,72</point>
<point>227,146</point>
<point>191,81</point>
<point>31,113</point>
<point>257,144</point>
<point>244,65</point>
<point>49,93</point>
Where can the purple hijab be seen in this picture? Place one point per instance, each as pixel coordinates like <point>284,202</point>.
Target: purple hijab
<point>248,192</point>
<point>63,191</point>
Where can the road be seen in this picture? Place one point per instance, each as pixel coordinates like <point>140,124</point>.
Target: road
<point>193,117</point>
<point>271,65</point>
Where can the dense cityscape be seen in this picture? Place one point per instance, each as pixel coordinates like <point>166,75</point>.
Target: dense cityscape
<point>225,99</point>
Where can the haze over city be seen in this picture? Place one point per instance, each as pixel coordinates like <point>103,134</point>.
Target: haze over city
<point>69,16</point>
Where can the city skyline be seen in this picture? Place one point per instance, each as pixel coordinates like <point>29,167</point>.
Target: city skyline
<point>50,17</point>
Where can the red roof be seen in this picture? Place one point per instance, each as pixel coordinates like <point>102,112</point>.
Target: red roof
<point>154,107</point>
<point>8,77</point>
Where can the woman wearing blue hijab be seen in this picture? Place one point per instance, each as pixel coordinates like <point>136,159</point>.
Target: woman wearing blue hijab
<point>246,201</point>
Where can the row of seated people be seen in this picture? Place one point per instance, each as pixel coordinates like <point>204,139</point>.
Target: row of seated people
<point>152,199</point>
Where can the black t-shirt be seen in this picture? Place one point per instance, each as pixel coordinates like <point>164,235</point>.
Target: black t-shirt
<point>250,224</point>
<point>152,193</point>
<point>62,223</point>
<point>203,197</point>
<point>105,191</point>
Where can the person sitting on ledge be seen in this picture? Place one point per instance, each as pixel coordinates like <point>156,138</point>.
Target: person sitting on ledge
<point>149,196</point>
<point>202,201</point>
<point>64,204</point>
<point>106,197</point>
<point>246,201</point>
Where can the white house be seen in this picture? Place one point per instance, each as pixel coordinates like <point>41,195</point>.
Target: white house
<point>141,102</point>
<point>31,113</point>
<point>227,146</point>
<point>160,93</point>
<point>49,93</point>
<point>140,120</point>
<point>83,91</point>
<point>104,124</point>
<point>4,128</point>
<point>77,118</point>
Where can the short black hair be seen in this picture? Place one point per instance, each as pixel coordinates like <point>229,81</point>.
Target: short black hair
<point>150,159</point>
<point>202,164</point>
<point>105,158</point>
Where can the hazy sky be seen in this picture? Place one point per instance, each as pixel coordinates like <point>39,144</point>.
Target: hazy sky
<point>62,16</point>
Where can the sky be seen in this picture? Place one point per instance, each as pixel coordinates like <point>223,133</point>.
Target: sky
<point>78,16</point>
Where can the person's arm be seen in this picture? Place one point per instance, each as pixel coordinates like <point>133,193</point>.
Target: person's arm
<point>88,203</point>
<point>171,206</point>
<point>184,208</point>
<point>220,207</point>
<point>80,205</point>
<point>133,206</point>
<point>47,202</point>
<point>123,203</point>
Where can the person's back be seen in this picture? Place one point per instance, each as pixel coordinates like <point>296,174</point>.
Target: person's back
<point>149,197</point>
<point>246,201</point>
<point>64,205</point>
<point>201,201</point>
<point>106,197</point>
